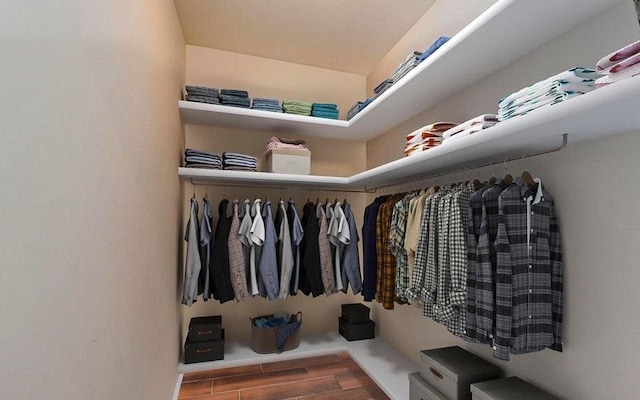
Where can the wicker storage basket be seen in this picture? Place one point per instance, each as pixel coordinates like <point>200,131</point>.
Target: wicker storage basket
<point>263,339</point>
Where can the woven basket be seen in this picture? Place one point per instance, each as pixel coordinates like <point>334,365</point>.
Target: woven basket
<point>263,339</point>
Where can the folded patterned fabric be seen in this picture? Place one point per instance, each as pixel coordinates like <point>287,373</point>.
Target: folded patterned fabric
<point>484,120</point>
<point>434,46</point>
<point>418,148</point>
<point>237,168</point>
<point>539,102</point>
<point>202,90</point>
<point>202,99</point>
<point>234,92</point>
<point>577,75</point>
<point>355,109</point>
<point>604,65</point>
<point>382,86</point>
<point>193,152</point>
<point>282,143</point>
<point>198,165</point>
<point>202,160</point>
<point>407,65</point>
<point>621,71</point>
<point>466,132</point>
<point>228,154</point>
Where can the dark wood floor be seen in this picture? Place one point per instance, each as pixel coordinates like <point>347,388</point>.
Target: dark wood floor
<point>328,377</point>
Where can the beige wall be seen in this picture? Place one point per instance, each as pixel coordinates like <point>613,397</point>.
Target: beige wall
<point>597,207</point>
<point>444,18</point>
<point>90,203</point>
<point>263,77</point>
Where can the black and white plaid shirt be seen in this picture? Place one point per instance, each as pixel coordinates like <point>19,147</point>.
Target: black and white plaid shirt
<point>528,273</point>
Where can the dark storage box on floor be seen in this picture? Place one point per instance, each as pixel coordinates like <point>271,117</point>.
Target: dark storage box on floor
<point>508,389</point>
<point>204,351</point>
<point>352,332</point>
<point>355,313</point>
<point>452,370</point>
<point>205,329</point>
<point>419,389</point>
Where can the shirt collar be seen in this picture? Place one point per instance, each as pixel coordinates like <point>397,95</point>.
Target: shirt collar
<point>528,194</point>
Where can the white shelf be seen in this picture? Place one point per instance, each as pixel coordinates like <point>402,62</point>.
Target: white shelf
<point>606,111</point>
<point>387,367</point>
<point>493,40</point>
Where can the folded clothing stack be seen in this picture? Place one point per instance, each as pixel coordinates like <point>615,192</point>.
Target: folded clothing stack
<point>236,98</point>
<point>553,90</point>
<point>266,104</point>
<point>276,143</point>
<point>359,106</point>
<point>325,110</point>
<point>202,94</point>
<point>434,46</point>
<point>239,162</point>
<point>296,107</point>
<point>426,137</point>
<point>202,159</point>
<point>382,87</point>
<point>619,65</point>
<point>407,65</point>
<point>474,125</point>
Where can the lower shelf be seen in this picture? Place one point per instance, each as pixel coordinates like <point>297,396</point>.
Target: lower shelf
<point>384,364</point>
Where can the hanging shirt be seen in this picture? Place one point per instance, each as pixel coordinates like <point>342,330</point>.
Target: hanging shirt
<point>206,244</point>
<point>297,233</point>
<point>386,276</point>
<point>219,268</point>
<point>397,234</point>
<point>310,273</point>
<point>256,238</point>
<point>416,243</point>
<point>285,250</point>
<point>429,254</point>
<point>351,258</point>
<point>369,251</point>
<point>268,266</point>
<point>192,263</point>
<point>486,264</point>
<point>475,221</point>
<point>236,257</point>
<point>529,303</point>
<point>443,257</point>
<point>326,266</point>
<point>339,236</point>
<point>244,234</point>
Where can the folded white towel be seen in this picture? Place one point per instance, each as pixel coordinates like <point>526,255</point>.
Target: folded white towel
<point>484,121</point>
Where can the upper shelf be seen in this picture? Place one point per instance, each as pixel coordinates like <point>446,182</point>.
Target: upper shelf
<point>606,111</point>
<point>505,32</point>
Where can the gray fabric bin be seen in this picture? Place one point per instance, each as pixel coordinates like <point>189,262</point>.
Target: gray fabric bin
<point>508,389</point>
<point>451,370</point>
<point>419,389</point>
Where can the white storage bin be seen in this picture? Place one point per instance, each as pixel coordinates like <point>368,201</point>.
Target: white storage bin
<point>508,389</point>
<point>286,161</point>
<point>451,370</point>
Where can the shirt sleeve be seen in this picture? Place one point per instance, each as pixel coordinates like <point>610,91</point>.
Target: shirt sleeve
<point>556,281</point>
<point>502,337</point>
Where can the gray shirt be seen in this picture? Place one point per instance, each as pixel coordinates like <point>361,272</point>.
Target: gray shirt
<point>286,251</point>
<point>268,266</point>
<point>192,263</point>
<point>351,258</point>
<point>206,243</point>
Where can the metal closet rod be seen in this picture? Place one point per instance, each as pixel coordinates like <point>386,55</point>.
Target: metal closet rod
<point>410,180</point>
<point>450,172</point>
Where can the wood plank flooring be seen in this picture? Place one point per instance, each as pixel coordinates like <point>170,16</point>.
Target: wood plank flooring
<point>330,377</point>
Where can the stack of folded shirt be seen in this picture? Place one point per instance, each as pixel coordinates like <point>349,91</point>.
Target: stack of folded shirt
<point>553,90</point>
<point>426,137</point>
<point>202,94</point>
<point>470,127</point>
<point>382,86</point>
<point>354,110</point>
<point>434,46</point>
<point>407,65</point>
<point>282,143</point>
<point>619,65</point>
<point>236,98</point>
<point>266,104</point>
<point>239,162</point>
<point>325,110</point>
<point>296,107</point>
<point>202,159</point>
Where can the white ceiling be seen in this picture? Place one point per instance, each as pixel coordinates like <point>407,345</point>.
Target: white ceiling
<point>347,35</point>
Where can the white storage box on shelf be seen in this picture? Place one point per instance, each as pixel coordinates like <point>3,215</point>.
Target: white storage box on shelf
<point>451,371</point>
<point>289,161</point>
<point>419,389</point>
<point>507,389</point>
